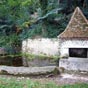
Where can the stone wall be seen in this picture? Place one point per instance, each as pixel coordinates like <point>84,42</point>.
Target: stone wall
<point>66,44</point>
<point>73,63</point>
<point>44,46</point>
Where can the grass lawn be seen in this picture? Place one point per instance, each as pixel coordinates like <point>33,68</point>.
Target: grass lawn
<point>16,83</point>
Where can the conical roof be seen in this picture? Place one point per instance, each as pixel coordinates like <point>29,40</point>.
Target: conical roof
<point>77,27</point>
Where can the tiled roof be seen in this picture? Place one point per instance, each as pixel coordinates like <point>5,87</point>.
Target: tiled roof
<point>77,27</point>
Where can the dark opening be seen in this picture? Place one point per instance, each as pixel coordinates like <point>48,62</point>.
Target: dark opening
<point>78,52</point>
<point>11,61</point>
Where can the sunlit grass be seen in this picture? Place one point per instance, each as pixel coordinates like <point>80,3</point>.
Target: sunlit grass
<point>17,83</point>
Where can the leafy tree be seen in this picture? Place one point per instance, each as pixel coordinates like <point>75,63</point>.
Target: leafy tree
<point>20,19</point>
<point>55,16</point>
<point>12,15</point>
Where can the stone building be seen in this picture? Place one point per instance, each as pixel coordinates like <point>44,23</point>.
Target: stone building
<point>74,43</point>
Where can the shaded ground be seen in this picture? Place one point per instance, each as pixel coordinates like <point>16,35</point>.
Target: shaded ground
<point>60,79</point>
<point>64,79</point>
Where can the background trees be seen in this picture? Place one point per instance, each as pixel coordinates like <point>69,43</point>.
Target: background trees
<point>12,15</point>
<point>53,16</point>
<point>21,19</point>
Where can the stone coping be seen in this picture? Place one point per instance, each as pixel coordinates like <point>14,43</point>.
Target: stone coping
<point>27,70</point>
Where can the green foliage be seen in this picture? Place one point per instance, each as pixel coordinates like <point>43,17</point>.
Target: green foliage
<point>21,83</point>
<point>40,56</point>
<point>12,16</point>
<point>14,11</point>
<point>55,15</point>
<point>44,18</point>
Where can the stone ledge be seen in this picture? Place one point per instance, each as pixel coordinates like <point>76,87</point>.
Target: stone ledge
<point>28,70</point>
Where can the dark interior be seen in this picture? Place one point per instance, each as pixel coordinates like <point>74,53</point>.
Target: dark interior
<point>78,52</point>
<point>11,61</point>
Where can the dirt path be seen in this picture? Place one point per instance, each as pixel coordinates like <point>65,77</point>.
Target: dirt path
<point>60,79</point>
<point>64,79</point>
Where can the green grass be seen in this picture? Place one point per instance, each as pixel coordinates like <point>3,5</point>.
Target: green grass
<point>15,83</point>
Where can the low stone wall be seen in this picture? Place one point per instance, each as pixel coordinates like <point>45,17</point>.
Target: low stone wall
<point>29,71</point>
<point>75,64</point>
<point>44,46</point>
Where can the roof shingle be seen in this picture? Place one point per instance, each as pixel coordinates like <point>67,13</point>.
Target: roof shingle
<point>77,27</point>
